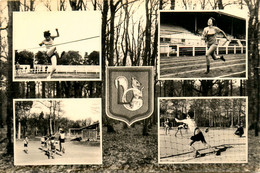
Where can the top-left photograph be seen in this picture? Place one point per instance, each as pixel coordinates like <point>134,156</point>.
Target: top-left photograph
<point>57,46</point>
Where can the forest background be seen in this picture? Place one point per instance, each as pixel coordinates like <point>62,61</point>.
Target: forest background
<point>129,37</point>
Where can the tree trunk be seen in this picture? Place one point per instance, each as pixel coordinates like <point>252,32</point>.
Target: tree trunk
<point>241,88</point>
<point>172,4</point>
<point>19,130</point>
<point>253,64</point>
<point>58,90</point>
<point>105,119</point>
<point>147,35</point>
<point>12,6</point>
<point>126,25</point>
<point>1,109</point>
<point>67,86</point>
<point>90,87</point>
<point>112,32</point>
<point>220,5</point>
<point>43,90</point>
<point>32,89</point>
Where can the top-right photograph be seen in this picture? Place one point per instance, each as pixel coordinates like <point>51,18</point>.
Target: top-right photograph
<point>202,45</point>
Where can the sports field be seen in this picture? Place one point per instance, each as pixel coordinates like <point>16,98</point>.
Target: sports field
<point>57,76</point>
<point>195,67</point>
<point>75,153</point>
<point>176,149</point>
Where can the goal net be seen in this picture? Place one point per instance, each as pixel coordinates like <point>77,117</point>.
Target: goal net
<point>223,123</point>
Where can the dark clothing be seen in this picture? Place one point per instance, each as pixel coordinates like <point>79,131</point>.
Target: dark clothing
<point>198,137</point>
<point>53,145</point>
<point>239,131</point>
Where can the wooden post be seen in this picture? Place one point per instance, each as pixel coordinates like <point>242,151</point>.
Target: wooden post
<point>226,49</point>
<point>168,50</point>
<point>178,51</point>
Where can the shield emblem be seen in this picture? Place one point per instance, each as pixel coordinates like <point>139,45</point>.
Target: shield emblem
<point>129,93</point>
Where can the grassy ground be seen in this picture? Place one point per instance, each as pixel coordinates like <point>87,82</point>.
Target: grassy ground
<point>128,151</point>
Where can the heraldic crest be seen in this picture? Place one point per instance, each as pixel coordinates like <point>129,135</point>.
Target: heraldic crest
<point>129,93</point>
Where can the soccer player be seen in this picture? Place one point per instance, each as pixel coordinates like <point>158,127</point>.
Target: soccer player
<point>182,126</point>
<point>51,50</point>
<point>166,126</point>
<point>240,131</point>
<point>209,35</point>
<point>197,135</point>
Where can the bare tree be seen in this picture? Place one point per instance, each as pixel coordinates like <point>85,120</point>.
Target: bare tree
<point>78,5</point>
<point>125,34</point>
<point>28,6</point>
<point>62,5</point>
<point>253,61</point>
<point>11,87</point>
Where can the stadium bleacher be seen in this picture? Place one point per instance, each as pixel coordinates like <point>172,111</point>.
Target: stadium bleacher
<point>178,41</point>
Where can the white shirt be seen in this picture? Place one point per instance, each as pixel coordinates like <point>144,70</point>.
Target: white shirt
<point>190,122</point>
<point>47,43</point>
<point>62,135</point>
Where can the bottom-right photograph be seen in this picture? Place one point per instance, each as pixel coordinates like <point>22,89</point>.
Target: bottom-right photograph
<point>202,130</point>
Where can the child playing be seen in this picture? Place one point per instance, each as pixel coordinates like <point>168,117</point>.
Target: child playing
<point>52,150</point>
<point>62,140</point>
<point>51,50</point>
<point>25,145</point>
<point>43,141</point>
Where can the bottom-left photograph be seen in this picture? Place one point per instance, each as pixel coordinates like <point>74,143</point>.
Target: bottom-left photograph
<point>57,131</point>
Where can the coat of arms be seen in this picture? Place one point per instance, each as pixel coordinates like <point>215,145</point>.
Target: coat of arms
<point>130,93</point>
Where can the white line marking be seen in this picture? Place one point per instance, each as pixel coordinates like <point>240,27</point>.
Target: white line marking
<point>173,74</point>
<point>199,64</point>
<point>199,59</point>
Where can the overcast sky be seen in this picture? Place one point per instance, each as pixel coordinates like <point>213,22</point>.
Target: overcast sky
<point>73,109</point>
<point>73,25</point>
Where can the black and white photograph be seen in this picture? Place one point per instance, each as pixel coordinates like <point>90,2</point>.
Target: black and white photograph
<point>202,44</point>
<point>57,131</point>
<point>203,130</point>
<point>52,46</point>
<point>62,52</point>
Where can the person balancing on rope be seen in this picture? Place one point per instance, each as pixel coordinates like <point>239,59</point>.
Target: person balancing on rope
<point>209,35</point>
<point>51,50</point>
<point>197,134</point>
